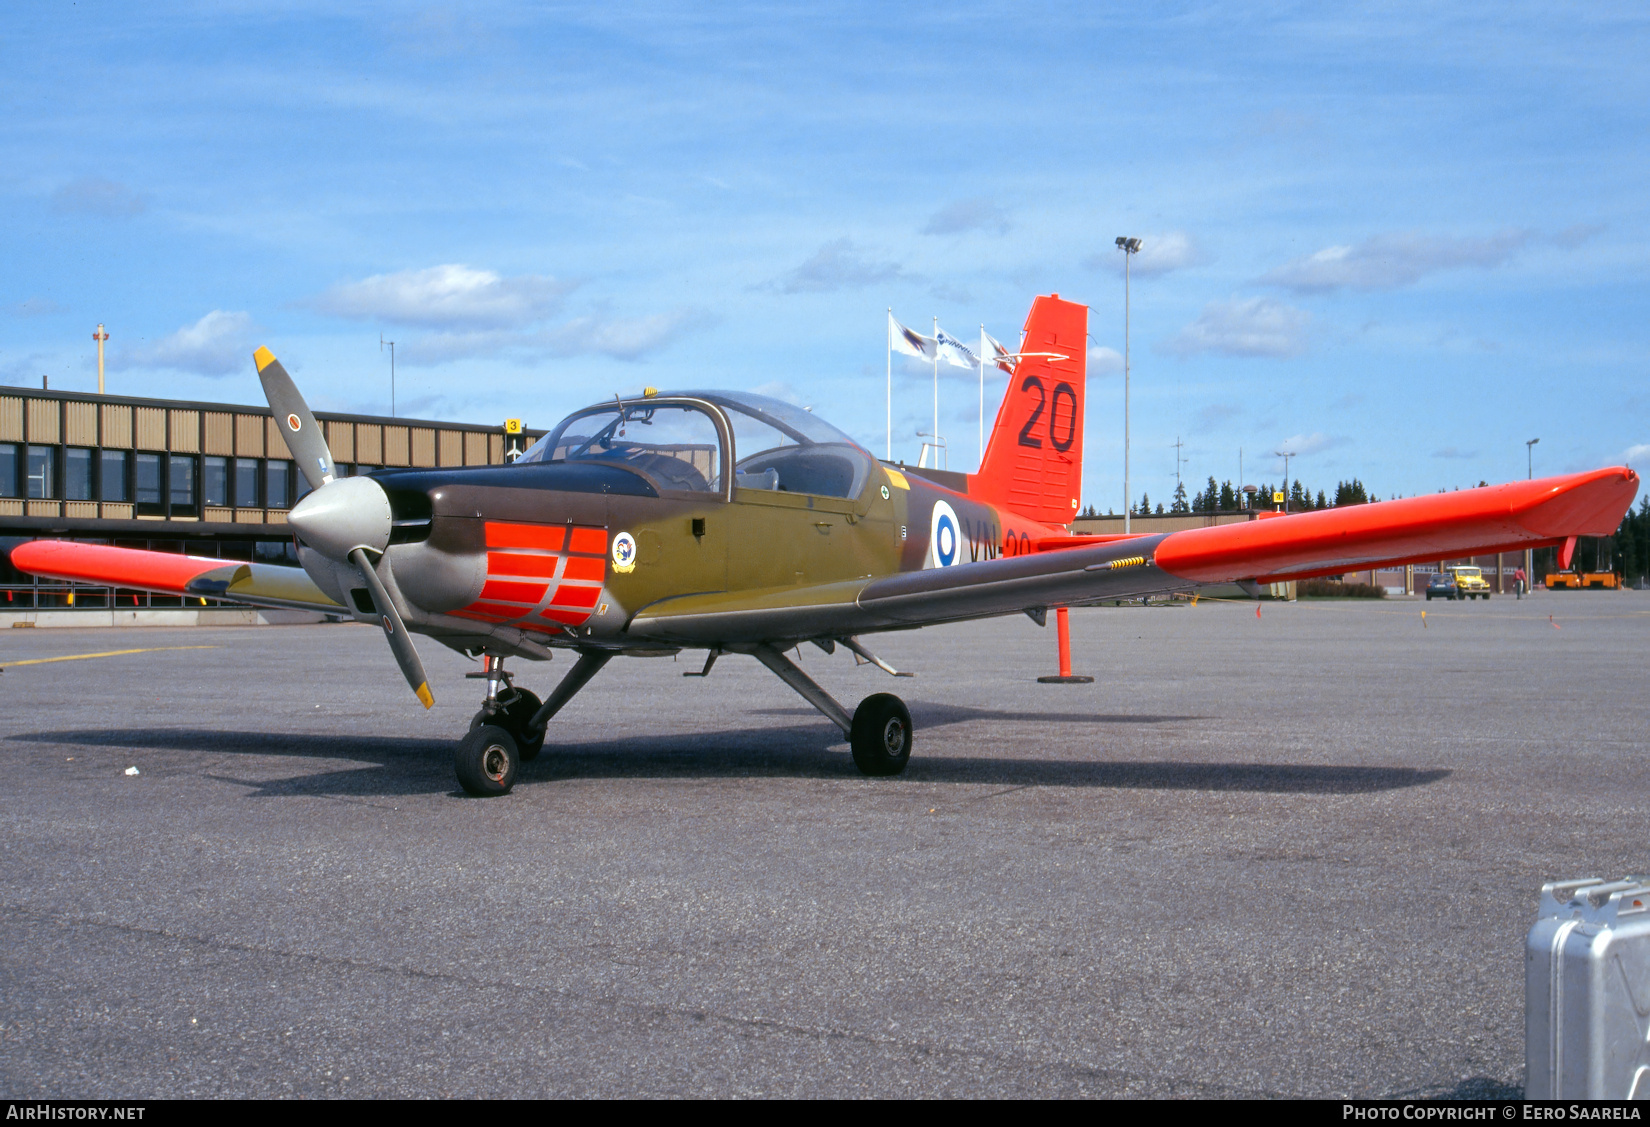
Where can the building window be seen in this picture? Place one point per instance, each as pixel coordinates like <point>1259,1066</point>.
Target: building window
<point>150,481</point>
<point>278,483</point>
<point>181,485</point>
<point>42,471</point>
<point>77,474</point>
<point>215,481</point>
<point>112,482</point>
<point>246,483</point>
<point>8,470</point>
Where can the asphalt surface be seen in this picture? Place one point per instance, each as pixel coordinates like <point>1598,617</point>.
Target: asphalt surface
<point>1286,856</point>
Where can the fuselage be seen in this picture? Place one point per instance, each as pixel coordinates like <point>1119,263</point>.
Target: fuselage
<point>565,546</point>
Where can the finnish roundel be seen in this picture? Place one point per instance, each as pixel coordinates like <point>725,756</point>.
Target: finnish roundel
<point>944,536</point>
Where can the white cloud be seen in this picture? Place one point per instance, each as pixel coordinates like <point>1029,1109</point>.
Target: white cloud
<point>1388,261</point>
<point>1454,452</point>
<point>1300,445</point>
<point>1255,326</point>
<point>968,215</point>
<point>1638,454</point>
<point>92,195</point>
<point>219,344</point>
<point>618,337</point>
<point>451,296</point>
<point>37,307</point>
<point>1104,361</point>
<point>1215,414</point>
<point>837,265</point>
<point>623,338</point>
<point>1158,254</point>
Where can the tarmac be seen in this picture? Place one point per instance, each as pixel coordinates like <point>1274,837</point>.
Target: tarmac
<point>1292,855</point>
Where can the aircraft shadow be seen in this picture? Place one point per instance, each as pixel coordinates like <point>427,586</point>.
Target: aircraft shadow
<point>401,766</point>
<point>930,715</point>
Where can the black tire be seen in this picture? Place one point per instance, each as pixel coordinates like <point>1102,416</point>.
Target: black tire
<point>487,761</point>
<point>1429,596</point>
<point>881,736</point>
<point>513,718</point>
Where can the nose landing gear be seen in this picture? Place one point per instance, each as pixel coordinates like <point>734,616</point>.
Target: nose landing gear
<point>510,728</point>
<point>509,708</point>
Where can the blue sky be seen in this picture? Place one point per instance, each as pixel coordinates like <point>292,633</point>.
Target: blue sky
<point>1400,239</point>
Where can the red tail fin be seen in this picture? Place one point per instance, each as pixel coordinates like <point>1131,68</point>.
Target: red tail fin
<point>1033,464</point>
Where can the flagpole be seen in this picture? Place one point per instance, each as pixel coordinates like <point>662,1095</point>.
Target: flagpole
<point>936,392</point>
<point>891,383</point>
<point>979,363</point>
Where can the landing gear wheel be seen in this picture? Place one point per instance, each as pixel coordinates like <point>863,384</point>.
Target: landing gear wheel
<point>486,761</point>
<point>881,736</point>
<point>513,718</point>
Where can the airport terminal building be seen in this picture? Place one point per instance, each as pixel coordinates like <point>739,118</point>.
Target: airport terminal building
<point>210,479</point>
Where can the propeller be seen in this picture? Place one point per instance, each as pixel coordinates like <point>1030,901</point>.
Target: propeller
<point>303,435</point>
<point>343,519</point>
<point>394,629</point>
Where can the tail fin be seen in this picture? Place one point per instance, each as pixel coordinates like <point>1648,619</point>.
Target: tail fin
<point>1033,464</point>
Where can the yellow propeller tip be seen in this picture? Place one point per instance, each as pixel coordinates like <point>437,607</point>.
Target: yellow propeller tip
<point>263,358</point>
<point>424,697</point>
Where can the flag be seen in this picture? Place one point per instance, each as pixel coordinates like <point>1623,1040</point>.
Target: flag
<point>955,352</point>
<point>997,354</point>
<point>910,342</point>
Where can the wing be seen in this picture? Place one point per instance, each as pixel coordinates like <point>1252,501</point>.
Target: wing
<point>259,585</point>
<point>1077,570</point>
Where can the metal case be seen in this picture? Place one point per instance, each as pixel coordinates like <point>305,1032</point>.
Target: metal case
<point>1587,992</point>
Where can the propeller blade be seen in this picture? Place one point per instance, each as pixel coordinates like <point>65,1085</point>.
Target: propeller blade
<point>394,629</point>
<point>303,435</point>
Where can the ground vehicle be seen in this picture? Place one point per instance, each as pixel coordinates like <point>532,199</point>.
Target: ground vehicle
<point>1575,581</point>
<point>1470,582</point>
<point>1442,585</point>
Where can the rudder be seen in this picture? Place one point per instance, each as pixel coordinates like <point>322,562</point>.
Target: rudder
<point>1033,464</point>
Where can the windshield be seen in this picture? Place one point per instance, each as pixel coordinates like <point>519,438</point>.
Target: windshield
<point>676,443</point>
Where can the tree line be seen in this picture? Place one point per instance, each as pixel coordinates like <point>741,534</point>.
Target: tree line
<point>1223,497</point>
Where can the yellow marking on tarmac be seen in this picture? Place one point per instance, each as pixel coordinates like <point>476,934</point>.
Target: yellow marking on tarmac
<point>109,653</point>
<point>263,358</point>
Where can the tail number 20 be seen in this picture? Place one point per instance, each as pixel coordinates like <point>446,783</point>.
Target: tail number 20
<point>1062,444</point>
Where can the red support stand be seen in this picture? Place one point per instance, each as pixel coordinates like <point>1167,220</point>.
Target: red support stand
<point>1062,628</point>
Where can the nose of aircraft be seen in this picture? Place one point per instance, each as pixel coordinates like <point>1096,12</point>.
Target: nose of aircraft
<point>342,515</point>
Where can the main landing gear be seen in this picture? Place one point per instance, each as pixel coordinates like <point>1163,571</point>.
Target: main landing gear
<point>510,728</point>
<point>879,731</point>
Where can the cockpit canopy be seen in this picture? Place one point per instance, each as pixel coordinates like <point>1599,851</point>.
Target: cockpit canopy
<point>687,441</point>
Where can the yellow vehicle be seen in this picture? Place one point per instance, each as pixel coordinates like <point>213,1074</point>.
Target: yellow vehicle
<point>1471,583</point>
<point>1562,580</point>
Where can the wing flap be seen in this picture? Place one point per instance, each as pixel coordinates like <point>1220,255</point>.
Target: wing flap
<point>167,573</point>
<point>1512,517</point>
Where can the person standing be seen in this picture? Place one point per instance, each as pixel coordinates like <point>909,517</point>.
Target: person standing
<point>1518,582</point>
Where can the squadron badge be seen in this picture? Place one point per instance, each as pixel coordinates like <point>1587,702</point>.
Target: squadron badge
<point>624,553</point>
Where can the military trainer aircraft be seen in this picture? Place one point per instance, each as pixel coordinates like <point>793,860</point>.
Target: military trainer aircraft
<point>736,524</point>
